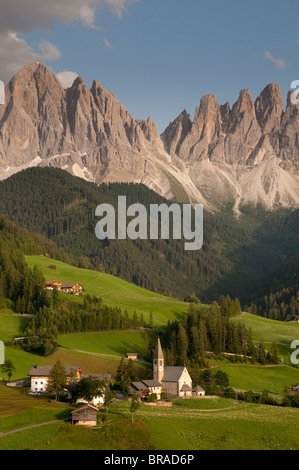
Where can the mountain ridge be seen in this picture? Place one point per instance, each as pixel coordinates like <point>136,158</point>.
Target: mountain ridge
<point>244,154</point>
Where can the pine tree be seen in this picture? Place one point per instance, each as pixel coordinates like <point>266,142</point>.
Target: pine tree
<point>182,345</point>
<point>57,379</point>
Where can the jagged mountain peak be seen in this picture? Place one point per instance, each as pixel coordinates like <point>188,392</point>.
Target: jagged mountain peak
<point>214,159</point>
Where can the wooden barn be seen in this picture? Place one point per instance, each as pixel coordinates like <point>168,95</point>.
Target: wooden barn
<point>85,416</point>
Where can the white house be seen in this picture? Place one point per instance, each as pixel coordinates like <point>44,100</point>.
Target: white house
<point>40,376</point>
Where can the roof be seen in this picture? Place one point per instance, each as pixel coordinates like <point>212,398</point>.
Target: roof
<point>44,371</point>
<point>172,374</point>
<point>186,388</point>
<point>132,354</point>
<point>139,386</point>
<point>158,351</point>
<point>69,286</point>
<point>97,376</point>
<point>198,389</point>
<point>152,383</point>
<point>84,408</point>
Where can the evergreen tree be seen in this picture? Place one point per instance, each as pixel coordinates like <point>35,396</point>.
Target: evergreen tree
<point>57,379</point>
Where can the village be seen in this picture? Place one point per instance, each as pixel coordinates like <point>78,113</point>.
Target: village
<point>168,383</point>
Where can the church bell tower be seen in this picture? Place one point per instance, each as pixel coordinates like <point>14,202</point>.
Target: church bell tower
<point>158,362</point>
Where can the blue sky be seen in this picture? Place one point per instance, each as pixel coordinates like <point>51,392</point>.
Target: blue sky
<point>160,56</point>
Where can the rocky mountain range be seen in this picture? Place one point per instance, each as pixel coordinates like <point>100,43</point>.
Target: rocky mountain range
<point>244,154</point>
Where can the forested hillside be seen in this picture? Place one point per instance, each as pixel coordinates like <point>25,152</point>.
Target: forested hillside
<point>277,296</point>
<point>21,288</point>
<point>236,252</point>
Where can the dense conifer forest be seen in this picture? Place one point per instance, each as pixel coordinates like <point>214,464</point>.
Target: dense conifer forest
<point>277,296</point>
<point>237,253</point>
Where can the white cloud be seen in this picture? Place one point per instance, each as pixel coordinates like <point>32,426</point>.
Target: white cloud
<point>66,78</point>
<point>15,53</point>
<point>20,17</point>
<point>49,51</point>
<point>108,44</point>
<point>279,63</point>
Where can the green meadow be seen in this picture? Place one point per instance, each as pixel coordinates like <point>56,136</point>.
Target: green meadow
<point>248,427</point>
<point>114,291</point>
<point>258,378</point>
<point>206,403</point>
<point>11,326</point>
<point>116,343</point>
<point>282,333</point>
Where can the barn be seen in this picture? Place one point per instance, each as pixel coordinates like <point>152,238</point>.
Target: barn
<point>85,416</point>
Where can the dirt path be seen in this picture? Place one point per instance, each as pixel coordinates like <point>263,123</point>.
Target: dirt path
<point>90,353</point>
<point>33,426</point>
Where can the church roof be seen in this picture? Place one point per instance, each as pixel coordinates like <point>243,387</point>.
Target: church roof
<point>186,388</point>
<point>158,350</point>
<point>172,374</point>
<point>198,389</point>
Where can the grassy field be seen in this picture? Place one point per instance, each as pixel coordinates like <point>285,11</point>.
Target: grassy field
<point>18,409</point>
<point>22,361</point>
<point>248,427</point>
<point>282,333</point>
<point>90,364</point>
<point>206,403</point>
<point>113,291</point>
<point>117,435</point>
<point>11,326</point>
<point>258,379</point>
<point>117,343</point>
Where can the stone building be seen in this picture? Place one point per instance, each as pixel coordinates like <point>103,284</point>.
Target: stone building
<point>175,381</point>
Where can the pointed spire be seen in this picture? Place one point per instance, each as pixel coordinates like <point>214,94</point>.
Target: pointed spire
<point>158,350</point>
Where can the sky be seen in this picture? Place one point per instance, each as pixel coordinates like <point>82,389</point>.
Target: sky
<point>158,57</point>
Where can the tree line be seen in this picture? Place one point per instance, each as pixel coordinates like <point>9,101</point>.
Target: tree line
<point>203,332</point>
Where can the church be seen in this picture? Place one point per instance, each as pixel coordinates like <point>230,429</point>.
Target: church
<point>174,381</point>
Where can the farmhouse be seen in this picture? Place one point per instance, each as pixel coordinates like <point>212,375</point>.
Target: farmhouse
<point>40,375</point>
<point>85,416</point>
<point>75,288</point>
<point>50,285</point>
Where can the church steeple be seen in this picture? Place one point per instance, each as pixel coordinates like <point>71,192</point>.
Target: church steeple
<point>158,362</point>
